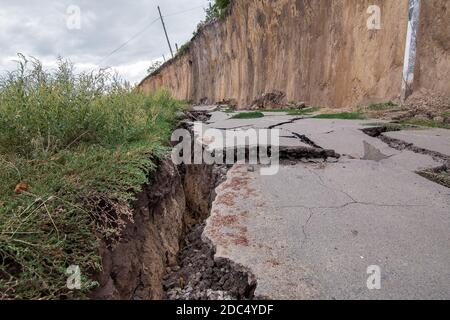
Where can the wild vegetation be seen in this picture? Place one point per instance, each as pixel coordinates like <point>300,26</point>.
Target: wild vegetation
<point>248,115</point>
<point>358,115</point>
<point>154,67</point>
<point>216,10</point>
<point>74,150</point>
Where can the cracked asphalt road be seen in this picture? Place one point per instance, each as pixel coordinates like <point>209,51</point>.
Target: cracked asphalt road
<point>312,230</point>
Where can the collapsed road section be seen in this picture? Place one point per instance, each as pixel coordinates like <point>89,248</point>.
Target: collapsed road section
<point>200,273</point>
<point>341,202</point>
<point>313,230</point>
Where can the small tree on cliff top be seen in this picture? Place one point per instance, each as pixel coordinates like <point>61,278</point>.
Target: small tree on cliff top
<point>216,10</point>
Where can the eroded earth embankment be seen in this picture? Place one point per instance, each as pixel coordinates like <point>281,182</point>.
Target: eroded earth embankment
<point>161,254</point>
<point>317,51</point>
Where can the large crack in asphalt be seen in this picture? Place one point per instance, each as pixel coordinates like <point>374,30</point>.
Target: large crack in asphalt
<point>285,122</point>
<point>199,275</point>
<point>440,174</point>
<point>377,132</point>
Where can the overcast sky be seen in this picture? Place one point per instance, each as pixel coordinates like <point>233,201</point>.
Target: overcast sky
<point>47,29</point>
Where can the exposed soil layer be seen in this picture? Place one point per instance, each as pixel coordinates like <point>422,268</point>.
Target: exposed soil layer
<point>147,263</point>
<point>134,268</point>
<point>423,105</point>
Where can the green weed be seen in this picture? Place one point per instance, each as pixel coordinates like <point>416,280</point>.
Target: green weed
<point>342,115</point>
<point>82,146</point>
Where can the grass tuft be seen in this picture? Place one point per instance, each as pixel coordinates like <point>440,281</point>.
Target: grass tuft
<point>301,112</point>
<point>74,151</point>
<point>248,115</point>
<point>342,115</point>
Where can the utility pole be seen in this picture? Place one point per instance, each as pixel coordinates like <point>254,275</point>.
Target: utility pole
<point>165,31</point>
<point>411,49</point>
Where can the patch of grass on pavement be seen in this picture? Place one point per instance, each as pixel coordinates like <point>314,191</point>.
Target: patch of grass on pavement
<point>342,115</point>
<point>248,115</point>
<point>74,150</point>
<point>277,110</point>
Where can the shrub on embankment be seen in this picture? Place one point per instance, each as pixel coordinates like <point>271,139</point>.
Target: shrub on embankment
<point>74,150</point>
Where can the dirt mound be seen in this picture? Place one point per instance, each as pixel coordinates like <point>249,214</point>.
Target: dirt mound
<point>429,106</point>
<point>275,100</point>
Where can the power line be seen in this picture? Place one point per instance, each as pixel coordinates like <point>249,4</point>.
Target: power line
<point>181,12</point>
<point>128,41</point>
<point>142,31</point>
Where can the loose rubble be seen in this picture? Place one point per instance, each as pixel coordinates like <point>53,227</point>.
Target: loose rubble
<point>275,100</point>
<point>199,277</point>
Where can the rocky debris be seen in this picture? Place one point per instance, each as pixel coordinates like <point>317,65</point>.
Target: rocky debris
<point>427,104</point>
<point>422,106</point>
<point>199,277</point>
<point>275,100</point>
<point>198,116</point>
<point>446,119</point>
<point>298,105</point>
<point>232,103</point>
<point>269,100</point>
<point>203,101</point>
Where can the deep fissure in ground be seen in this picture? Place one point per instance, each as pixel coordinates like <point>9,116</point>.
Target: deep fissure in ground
<point>162,254</point>
<point>197,274</point>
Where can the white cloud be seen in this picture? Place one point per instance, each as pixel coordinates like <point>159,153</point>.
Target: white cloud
<point>39,29</point>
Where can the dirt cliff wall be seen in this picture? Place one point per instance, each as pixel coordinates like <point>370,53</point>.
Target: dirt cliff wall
<point>317,51</point>
<point>134,268</point>
<point>174,200</point>
<point>433,51</point>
